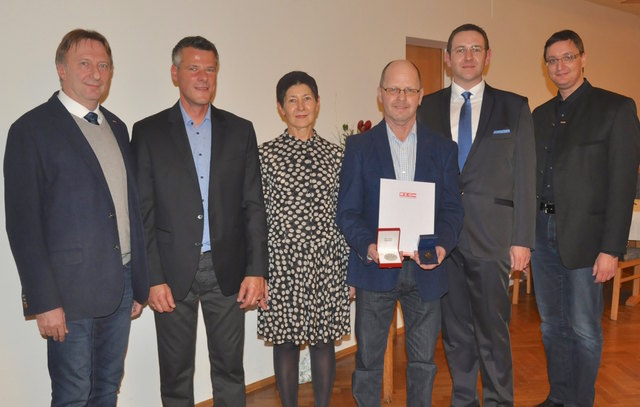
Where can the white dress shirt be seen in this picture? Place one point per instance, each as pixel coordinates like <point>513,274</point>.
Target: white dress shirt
<point>456,104</point>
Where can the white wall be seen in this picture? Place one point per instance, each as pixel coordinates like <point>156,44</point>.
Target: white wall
<point>343,44</point>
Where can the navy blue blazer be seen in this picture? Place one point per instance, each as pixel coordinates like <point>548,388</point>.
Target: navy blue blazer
<point>60,217</point>
<point>368,159</point>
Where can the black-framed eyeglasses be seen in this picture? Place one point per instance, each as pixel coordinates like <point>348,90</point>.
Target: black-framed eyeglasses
<point>406,91</point>
<point>566,59</point>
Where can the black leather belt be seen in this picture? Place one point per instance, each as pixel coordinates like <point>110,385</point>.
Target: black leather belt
<point>547,207</point>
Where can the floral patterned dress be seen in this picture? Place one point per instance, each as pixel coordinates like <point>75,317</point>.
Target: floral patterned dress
<point>308,296</point>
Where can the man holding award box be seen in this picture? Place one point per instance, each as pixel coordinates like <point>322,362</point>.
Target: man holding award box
<point>398,148</point>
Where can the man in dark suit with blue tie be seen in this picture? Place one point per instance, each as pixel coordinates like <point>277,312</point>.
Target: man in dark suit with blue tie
<point>205,225</point>
<point>397,148</point>
<point>74,226</point>
<point>494,132</point>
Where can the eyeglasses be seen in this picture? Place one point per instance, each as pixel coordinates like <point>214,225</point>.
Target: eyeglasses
<point>461,51</point>
<point>566,59</point>
<point>406,91</point>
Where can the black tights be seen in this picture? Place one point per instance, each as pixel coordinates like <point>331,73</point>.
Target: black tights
<point>323,370</point>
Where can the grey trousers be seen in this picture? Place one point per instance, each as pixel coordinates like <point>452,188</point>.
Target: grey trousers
<point>176,334</point>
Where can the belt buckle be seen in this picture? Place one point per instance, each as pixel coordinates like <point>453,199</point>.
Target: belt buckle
<point>548,208</point>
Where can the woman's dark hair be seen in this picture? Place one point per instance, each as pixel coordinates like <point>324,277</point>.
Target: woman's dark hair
<point>295,78</point>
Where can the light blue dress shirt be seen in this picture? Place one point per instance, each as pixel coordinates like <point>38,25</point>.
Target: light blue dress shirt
<point>200,142</point>
<point>403,154</point>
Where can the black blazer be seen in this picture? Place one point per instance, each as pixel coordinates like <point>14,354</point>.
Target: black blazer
<point>595,165</point>
<point>172,207</point>
<point>497,182</point>
<point>60,216</point>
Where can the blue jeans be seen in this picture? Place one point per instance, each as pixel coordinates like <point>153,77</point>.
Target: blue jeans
<point>374,312</point>
<point>570,306</point>
<point>86,369</point>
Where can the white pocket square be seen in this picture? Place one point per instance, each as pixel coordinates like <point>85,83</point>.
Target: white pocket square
<point>502,131</point>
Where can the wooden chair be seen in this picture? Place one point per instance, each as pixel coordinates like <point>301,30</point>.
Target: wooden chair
<point>631,262</point>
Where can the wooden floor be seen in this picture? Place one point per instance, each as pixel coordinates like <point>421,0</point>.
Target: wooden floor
<point>618,381</point>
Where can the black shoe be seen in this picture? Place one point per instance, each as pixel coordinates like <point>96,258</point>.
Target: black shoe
<point>549,403</point>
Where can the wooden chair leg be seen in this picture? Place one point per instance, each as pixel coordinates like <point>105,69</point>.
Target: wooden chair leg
<point>615,297</point>
<point>636,282</point>
<point>515,276</point>
<point>635,293</point>
<point>387,376</point>
<point>529,278</point>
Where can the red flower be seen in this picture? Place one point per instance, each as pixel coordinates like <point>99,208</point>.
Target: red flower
<point>364,126</point>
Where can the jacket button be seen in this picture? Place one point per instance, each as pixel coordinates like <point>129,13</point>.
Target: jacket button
<point>201,216</point>
<point>116,247</point>
<point>111,215</point>
<point>198,244</point>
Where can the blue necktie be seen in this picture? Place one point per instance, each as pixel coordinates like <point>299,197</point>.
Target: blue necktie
<point>464,130</point>
<point>91,117</point>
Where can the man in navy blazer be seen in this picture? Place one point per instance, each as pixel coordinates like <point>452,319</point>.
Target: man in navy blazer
<point>497,185</point>
<point>397,148</point>
<point>72,217</point>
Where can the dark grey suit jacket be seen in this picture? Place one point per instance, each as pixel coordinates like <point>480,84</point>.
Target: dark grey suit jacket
<point>497,182</point>
<point>595,166</point>
<point>171,202</point>
<point>61,220</point>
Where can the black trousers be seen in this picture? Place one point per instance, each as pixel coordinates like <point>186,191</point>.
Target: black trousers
<point>475,330</point>
<point>176,334</point>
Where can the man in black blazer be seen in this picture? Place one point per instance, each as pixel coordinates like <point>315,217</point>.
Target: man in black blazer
<point>498,195</point>
<point>588,148</point>
<point>205,225</point>
<point>73,221</point>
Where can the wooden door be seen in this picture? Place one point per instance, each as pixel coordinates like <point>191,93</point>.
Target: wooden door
<point>430,61</point>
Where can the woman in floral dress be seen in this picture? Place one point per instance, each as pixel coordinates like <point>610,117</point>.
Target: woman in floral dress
<point>308,299</point>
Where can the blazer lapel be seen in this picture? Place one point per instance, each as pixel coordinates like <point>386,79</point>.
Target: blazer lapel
<point>122,139</point>
<point>180,140</point>
<point>483,124</point>
<point>218,130</point>
<point>424,163</point>
<point>445,112</point>
<point>383,150</point>
<point>65,123</point>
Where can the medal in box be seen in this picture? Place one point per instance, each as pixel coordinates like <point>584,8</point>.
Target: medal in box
<point>389,248</point>
<point>427,249</point>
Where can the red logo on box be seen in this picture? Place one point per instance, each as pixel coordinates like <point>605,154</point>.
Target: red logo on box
<point>408,195</point>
